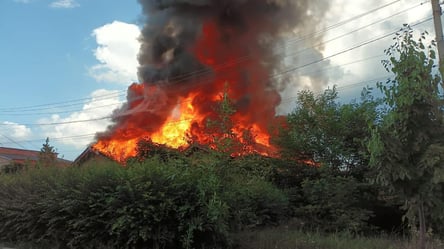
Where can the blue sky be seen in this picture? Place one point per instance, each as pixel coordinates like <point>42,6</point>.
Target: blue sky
<point>64,61</point>
<point>46,50</point>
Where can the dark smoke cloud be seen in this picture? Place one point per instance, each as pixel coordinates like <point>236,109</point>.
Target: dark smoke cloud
<point>172,26</point>
<point>197,46</point>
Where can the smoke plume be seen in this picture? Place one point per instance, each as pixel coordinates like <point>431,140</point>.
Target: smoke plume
<point>252,27</point>
<point>195,47</point>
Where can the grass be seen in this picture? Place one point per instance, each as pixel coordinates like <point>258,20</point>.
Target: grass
<point>282,238</point>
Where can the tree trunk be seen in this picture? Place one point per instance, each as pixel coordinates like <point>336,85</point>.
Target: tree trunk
<point>422,227</point>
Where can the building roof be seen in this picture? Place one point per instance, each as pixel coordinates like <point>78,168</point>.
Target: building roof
<point>89,154</point>
<point>19,154</point>
<point>22,155</point>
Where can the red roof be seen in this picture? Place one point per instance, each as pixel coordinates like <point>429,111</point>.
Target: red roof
<point>21,155</point>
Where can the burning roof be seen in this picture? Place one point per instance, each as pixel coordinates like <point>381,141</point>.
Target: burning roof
<point>190,50</point>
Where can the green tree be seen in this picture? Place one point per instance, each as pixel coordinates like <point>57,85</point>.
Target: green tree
<point>335,195</point>
<point>407,148</point>
<point>221,127</point>
<point>330,133</point>
<point>47,155</point>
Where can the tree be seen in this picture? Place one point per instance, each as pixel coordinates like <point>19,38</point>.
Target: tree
<point>407,148</point>
<point>330,133</point>
<point>47,155</point>
<point>335,195</point>
<point>221,127</point>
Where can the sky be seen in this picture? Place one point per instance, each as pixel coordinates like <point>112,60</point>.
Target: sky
<point>66,64</point>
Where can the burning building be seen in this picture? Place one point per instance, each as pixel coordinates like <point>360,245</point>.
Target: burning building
<point>191,50</point>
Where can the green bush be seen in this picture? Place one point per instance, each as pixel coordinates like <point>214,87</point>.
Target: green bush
<point>253,166</point>
<point>186,202</point>
<point>12,168</point>
<point>144,205</point>
<point>255,203</point>
<point>334,203</point>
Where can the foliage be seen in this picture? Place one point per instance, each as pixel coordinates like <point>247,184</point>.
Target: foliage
<point>143,205</point>
<point>323,130</point>
<point>12,168</point>
<point>334,202</point>
<point>251,166</point>
<point>252,200</point>
<point>220,127</point>
<point>155,203</point>
<point>254,203</point>
<point>47,155</point>
<point>146,148</point>
<point>407,148</point>
<point>334,194</point>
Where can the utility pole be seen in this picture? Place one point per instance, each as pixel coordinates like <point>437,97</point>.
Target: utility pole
<point>436,8</point>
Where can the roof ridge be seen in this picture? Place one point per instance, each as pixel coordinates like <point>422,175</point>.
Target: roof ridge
<point>10,148</point>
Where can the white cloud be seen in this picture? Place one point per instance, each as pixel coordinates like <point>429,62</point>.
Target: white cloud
<point>15,131</point>
<point>350,71</point>
<point>370,66</point>
<point>80,134</point>
<point>117,52</point>
<point>63,4</point>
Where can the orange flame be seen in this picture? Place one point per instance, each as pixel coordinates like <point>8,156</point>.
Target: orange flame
<point>176,114</point>
<point>176,127</point>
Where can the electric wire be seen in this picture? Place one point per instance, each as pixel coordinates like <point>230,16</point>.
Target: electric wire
<point>86,110</point>
<point>276,75</point>
<point>193,74</point>
<point>284,100</point>
<point>182,120</point>
<point>271,76</point>
<point>13,141</point>
<point>237,61</point>
<point>64,103</point>
<point>219,67</point>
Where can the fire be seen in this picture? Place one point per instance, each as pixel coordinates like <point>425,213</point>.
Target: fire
<point>184,121</point>
<point>176,111</point>
<point>175,128</point>
<point>117,149</point>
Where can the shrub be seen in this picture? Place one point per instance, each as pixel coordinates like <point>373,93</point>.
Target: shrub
<point>151,204</point>
<point>334,203</point>
<point>255,203</point>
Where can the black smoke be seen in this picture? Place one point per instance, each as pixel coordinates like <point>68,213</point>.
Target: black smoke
<point>255,27</point>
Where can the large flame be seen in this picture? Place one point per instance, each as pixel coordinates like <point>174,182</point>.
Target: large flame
<point>177,114</point>
<point>184,125</point>
<point>193,52</point>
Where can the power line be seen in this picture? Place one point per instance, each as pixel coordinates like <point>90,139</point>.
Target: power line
<point>231,64</point>
<point>345,51</point>
<point>284,100</point>
<point>14,142</point>
<point>65,104</point>
<point>183,76</point>
<point>61,138</point>
<point>101,97</point>
<point>189,75</point>
<point>203,72</point>
<point>354,31</point>
<point>59,112</point>
<point>271,76</point>
<point>61,123</point>
<point>119,103</point>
